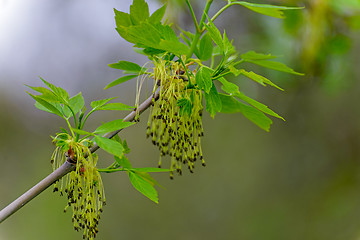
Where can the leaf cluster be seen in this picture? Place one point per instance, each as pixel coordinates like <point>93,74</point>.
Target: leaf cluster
<point>212,54</point>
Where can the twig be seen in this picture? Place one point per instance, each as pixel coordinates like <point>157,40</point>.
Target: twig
<point>67,167</point>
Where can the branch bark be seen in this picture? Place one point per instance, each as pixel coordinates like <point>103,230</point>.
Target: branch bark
<point>67,167</point>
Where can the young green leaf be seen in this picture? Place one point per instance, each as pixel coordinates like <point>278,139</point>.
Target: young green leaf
<point>185,106</point>
<point>228,46</point>
<point>116,107</point>
<point>49,106</point>
<point>123,143</point>
<point>143,186</point>
<point>233,89</point>
<point>42,108</point>
<point>258,78</point>
<point>139,11</point>
<point>258,105</point>
<point>58,91</point>
<point>123,162</point>
<point>112,126</point>
<point>266,9</point>
<point>81,132</point>
<point>215,34</point>
<point>229,87</point>
<point>120,80</point>
<point>77,102</point>
<point>126,66</point>
<point>122,19</point>
<point>213,101</point>
<point>126,147</point>
<point>203,79</point>
<point>158,15</point>
<point>205,47</point>
<point>98,103</point>
<point>251,55</point>
<point>153,35</point>
<point>113,147</point>
<point>148,178</point>
<point>231,105</point>
<point>275,66</point>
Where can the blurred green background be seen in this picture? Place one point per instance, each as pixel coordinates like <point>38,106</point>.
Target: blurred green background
<point>299,181</point>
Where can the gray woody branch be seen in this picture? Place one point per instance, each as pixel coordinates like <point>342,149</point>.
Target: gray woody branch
<point>66,167</point>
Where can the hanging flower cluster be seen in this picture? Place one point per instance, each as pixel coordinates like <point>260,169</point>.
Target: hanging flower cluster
<point>175,122</point>
<point>83,187</point>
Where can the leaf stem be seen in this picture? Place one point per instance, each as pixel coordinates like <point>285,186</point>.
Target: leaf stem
<point>199,29</point>
<point>193,16</point>
<point>221,10</point>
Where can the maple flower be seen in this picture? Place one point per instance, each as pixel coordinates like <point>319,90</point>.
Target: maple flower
<point>83,187</point>
<point>175,122</point>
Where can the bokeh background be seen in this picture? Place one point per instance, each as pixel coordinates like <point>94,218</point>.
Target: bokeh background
<point>299,181</point>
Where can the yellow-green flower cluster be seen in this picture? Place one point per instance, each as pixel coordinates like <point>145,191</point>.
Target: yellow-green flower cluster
<point>175,123</point>
<point>83,187</point>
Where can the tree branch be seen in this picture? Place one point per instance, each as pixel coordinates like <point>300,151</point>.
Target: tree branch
<point>67,167</point>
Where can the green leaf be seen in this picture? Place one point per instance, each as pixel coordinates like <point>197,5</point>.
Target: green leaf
<point>126,66</point>
<point>275,66</point>
<point>124,143</point>
<point>126,147</point>
<point>175,47</point>
<point>158,15</point>
<point>233,89</point>
<point>113,147</point>
<point>259,79</point>
<point>123,162</point>
<point>251,55</point>
<point>81,132</point>
<point>112,126</point>
<point>228,46</point>
<point>153,35</point>
<point>203,79</point>
<point>205,47</point>
<point>49,106</point>
<point>185,106</point>
<point>143,186</point>
<point>258,105</point>
<point>213,101</point>
<point>231,105</point>
<point>120,80</point>
<point>215,34</point>
<point>116,107</point>
<point>148,178</point>
<point>229,87</point>
<point>122,19</point>
<point>58,91</point>
<point>266,9</point>
<point>97,104</point>
<point>76,103</point>
<point>139,11</point>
